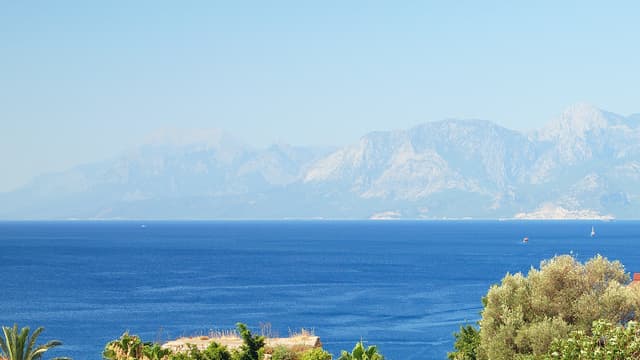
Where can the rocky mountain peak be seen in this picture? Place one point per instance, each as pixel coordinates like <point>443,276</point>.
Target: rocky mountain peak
<point>587,161</point>
<point>576,121</point>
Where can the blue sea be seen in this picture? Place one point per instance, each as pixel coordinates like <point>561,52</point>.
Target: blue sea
<point>404,286</point>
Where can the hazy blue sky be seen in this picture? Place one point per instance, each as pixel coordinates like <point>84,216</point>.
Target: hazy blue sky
<point>85,80</point>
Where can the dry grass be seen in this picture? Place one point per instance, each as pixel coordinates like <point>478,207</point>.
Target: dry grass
<point>221,333</point>
<point>301,333</point>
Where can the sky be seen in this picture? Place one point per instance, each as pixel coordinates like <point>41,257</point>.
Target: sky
<point>82,81</point>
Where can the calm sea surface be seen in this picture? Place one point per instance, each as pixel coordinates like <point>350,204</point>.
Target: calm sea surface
<point>405,286</point>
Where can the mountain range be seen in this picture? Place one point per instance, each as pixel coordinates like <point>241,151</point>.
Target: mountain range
<point>584,164</point>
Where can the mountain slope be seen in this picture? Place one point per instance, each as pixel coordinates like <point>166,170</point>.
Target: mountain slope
<point>586,159</point>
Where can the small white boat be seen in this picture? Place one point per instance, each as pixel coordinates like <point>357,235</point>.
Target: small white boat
<point>593,232</point>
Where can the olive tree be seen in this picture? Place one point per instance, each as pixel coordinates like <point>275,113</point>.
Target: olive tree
<point>523,315</point>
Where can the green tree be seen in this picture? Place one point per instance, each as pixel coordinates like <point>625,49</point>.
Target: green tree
<point>466,344</point>
<point>252,344</point>
<point>127,347</point>
<point>524,314</point>
<point>359,352</point>
<point>216,351</point>
<point>18,345</point>
<point>153,351</point>
<point>315,354</point>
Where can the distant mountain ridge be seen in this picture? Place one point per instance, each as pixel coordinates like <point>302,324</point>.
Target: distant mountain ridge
<point>585,162</point>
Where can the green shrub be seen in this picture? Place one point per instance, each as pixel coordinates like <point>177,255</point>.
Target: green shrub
<point>283,353</point>
<point>252,347</point>
<point>214,351</point>
<point>466,344</point>
<point>359,352</point>
<point>182,355</point>
<point>153,351</point>
<point>315,354</point>
<point>607,341</point>
<point>125,348</point>
<point>131,347</point>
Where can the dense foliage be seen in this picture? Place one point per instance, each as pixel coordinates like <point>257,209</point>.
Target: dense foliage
<point>466,344</point>
<point>607,341</point>
<point>17,344</point>
<point>359,352</point>
<point>125,348</point>
<point>283,353</point>
<point>524,315</point>
<point>154,351</point>
<point>252,346</point>
<point>214,351</point>
<point>315,354</point>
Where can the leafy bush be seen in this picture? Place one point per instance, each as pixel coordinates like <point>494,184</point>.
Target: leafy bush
<point>466,344</point>
<point>153,351</point>
<point>125,348</point>
<point>524,314</point>
<point>315,354</point>
<point>283,353</point>
<point>360,353</point>
<point>607,341</point>
<point>181,356</point>
<point>214,351</point>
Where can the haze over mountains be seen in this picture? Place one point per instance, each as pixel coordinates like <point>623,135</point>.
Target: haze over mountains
<point>585,164</point>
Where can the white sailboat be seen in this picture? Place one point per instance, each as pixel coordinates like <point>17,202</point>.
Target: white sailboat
<point>593,232</point>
